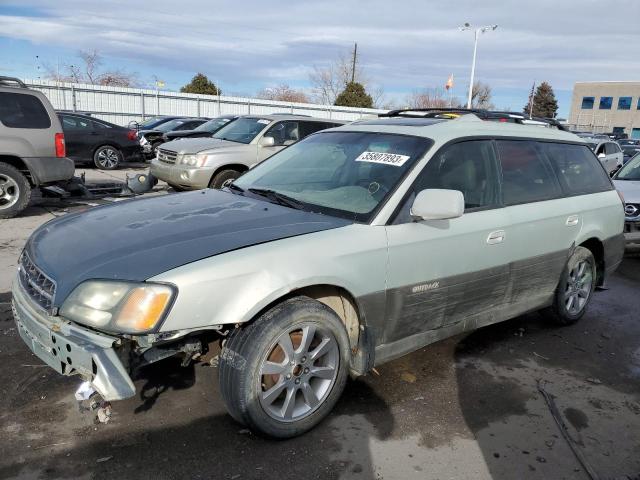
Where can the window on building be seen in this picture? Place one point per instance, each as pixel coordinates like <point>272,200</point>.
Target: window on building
<point>605,103</point>
<point>587,103</point>
<point>624,103</point>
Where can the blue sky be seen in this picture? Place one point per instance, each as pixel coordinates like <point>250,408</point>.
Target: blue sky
<point>404,46</point>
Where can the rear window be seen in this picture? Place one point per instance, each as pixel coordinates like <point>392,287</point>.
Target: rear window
<point>18,110</point>
<point>526,175</point>
<point>577,168</point>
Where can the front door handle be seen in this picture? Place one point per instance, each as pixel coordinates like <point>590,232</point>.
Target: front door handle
<point>573,220</point>
<point>496,237</point>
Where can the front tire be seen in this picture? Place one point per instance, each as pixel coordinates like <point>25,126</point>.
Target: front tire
<point>576,287</point>
<point>223,178</point>
<point>107,157</point>
<point>282,374</point>
<point>15,191</point>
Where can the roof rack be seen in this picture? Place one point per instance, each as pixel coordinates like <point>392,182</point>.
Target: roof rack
<point>449,112</point>
<point>7,80</point>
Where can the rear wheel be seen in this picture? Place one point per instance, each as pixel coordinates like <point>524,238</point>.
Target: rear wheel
<point>282,374</point>
<point>15,191</point>
<point>107,157</point>
<point>224,178</point>
<point>575,289</point>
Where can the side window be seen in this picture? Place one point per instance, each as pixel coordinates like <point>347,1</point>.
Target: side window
<point>19,110</point>
<point>307,128</point>
<point>469,167</point>
<point>578,170</point>
<point>99,126</point>
<point>526,176</point>
<point>76,123</point>
<point>611,148</point>
<point>600,149</point>
<point>284,133</point>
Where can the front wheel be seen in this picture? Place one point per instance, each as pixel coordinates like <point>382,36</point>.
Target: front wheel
<point>282,374</point>
<point>223,178</point>
<point>576,287</point>
<point>107,157</point>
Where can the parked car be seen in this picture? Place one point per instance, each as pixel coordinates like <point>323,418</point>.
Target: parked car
<point>207,129</point>
<point>32,146</point>
<point>192,164</point>
<point>346,250</point>
<point>104,144</point>
<point>609,153</point>
<point>628,151</point>
<point>150,140</point>
<point>627,181</point>
<point>629,141</point>
<point>151,123</point>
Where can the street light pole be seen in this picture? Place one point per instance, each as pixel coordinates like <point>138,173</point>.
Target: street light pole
<point>476,32</point>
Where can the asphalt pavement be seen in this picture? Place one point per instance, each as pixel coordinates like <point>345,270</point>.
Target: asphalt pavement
<point>469,407</point>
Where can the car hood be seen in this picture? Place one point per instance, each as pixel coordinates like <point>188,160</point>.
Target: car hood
<point>138,239</point>
<point>198,145</point>
<point>630,190</point>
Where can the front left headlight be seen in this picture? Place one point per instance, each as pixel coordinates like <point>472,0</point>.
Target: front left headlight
<point>122,307</point>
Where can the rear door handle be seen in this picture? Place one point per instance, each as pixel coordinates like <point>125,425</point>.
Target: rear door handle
<point>496,237</point>
<point>573,220</point>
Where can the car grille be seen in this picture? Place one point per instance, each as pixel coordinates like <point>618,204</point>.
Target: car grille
<point>38,286</point>
<point>632,210</point>
<point>167,156</point>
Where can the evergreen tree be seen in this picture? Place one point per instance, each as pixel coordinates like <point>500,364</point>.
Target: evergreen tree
<point>354,95</point>
<point>201,84</point>
<point>544,102</point>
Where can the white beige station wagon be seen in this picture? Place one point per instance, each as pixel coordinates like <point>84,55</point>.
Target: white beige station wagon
<point>348,249</point>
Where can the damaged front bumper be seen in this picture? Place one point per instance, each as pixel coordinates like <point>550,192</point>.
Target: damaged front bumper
<point>71,349</point>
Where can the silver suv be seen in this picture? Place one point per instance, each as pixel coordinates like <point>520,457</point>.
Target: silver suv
<point>196,163</point>
<point>32,148</point>
<point>350,248</point>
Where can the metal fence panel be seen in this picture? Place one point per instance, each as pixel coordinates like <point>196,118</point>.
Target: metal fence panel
<point>122,105</point>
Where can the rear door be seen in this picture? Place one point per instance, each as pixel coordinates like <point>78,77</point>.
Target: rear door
<point>615,157</point>
<point>543,223</point>
<point>80,137</point>
<point>442,272</point>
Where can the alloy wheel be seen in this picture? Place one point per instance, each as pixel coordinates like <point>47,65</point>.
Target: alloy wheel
<point>578,288</point>
<point>298,373</point>
<point>9,191</point>
<point>108,158</point>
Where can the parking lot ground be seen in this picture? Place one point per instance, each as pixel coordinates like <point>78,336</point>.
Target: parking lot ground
<point>468,407</point>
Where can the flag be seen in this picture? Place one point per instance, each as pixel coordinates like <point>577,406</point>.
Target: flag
<point>449,84</point>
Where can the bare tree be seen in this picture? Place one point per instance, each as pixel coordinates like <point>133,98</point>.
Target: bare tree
<point>431,98</point>
<point>283,93</point>
<point>330,80</point>
<point>481,96</point>
<point>87,70</point>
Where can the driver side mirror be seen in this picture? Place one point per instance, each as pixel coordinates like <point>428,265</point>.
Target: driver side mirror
<point>601,155</point>
<point>267,141</point>
<point>438,204</point>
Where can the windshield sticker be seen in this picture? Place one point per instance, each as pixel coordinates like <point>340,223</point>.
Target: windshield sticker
<point>264,122</point>
<point>384,158</point>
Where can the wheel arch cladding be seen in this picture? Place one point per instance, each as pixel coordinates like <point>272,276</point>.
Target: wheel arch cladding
<point>239,167</point>
<point>596,247</point>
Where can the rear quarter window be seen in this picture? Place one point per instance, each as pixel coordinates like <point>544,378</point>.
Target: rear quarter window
<point>19,110</point>
<point>577,168</point>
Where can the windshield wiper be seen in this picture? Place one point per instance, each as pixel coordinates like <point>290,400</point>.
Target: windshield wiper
<point>278,197</point>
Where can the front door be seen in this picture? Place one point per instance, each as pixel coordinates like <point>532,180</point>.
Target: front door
<point>442,272</point>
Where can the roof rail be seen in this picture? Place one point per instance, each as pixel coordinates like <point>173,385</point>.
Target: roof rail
<point>427,112</point>
<point>5,80</point>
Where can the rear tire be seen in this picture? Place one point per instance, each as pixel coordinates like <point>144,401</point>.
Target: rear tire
<point>282,374</point>
<point>223,178</point>
<point>575,289</point>
<point>15,191</point>
<point>107,157</point>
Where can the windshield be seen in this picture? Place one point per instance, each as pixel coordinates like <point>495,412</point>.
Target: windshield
<point>170,125</point>
<point>346,174</point>
<point>631,170</point>
<point>150,123</point>
<point>242,130</point>
<point>213,126</point>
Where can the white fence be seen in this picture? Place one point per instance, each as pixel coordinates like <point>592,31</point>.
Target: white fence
<point>122,105</point>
